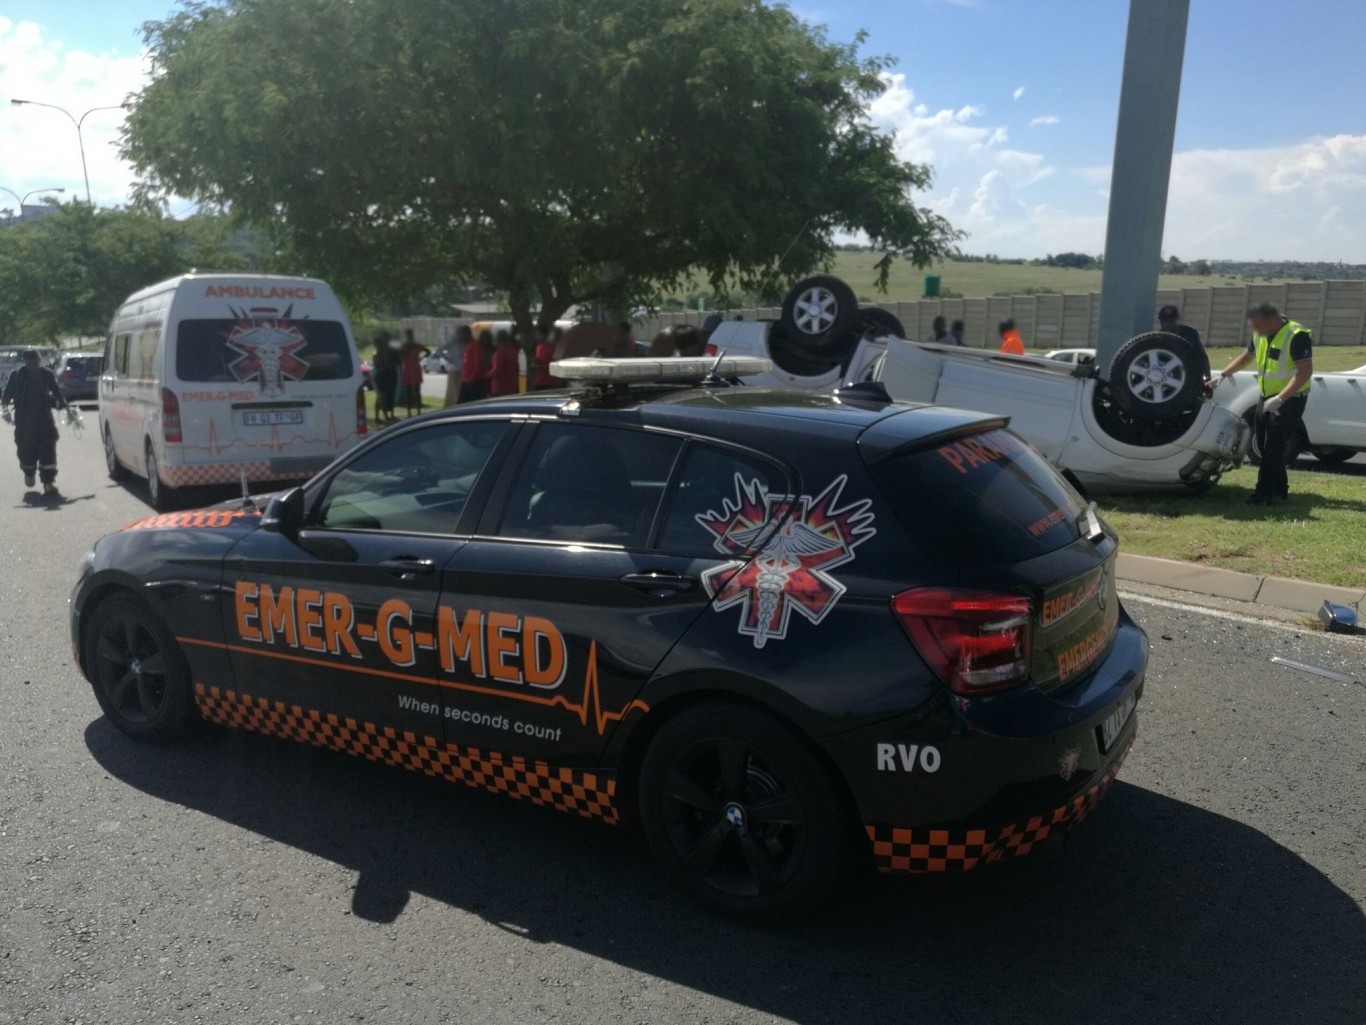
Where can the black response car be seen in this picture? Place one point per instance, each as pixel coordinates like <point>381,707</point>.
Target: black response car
<point>775,628</point>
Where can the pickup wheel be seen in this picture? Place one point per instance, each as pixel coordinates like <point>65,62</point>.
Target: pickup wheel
<point>817,315</point>
<point>1157,375</point>
<point>1254,450</point>
<point>1333,456</point>
<point>878,323</point>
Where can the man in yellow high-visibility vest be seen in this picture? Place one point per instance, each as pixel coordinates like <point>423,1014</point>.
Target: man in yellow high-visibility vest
<point>1283,352</point>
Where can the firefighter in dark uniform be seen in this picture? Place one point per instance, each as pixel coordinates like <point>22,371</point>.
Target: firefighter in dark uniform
<point>31,392</point>
<point>1283,352</point>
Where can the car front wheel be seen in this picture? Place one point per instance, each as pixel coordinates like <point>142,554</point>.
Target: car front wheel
<point>140,676</point>
<point>741,812</point>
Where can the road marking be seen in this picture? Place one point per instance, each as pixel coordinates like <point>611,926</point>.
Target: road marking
<point>1233,617</point>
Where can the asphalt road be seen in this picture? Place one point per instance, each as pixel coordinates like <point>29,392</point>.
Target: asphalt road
<point>241,879</point>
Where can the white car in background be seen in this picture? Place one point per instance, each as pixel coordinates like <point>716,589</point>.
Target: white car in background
<point>1149,425</point>
<point>1334,419</point>
<point>1082,357</point>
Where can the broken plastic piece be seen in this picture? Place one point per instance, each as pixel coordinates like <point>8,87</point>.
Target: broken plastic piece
<point>1337,617</point>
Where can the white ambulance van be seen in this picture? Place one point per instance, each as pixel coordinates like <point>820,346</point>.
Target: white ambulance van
<point>213,378</point>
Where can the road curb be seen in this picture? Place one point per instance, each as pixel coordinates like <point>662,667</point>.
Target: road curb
<point>1279,592</point>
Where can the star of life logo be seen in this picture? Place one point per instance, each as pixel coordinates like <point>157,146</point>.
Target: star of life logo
<point>782,550</point>
<point>269,347</point>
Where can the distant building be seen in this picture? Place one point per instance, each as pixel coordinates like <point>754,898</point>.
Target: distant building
<point>30,212</point>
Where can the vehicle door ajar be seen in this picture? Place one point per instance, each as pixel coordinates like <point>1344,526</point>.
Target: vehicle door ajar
<point>340,619</point>
<point>577,585</point>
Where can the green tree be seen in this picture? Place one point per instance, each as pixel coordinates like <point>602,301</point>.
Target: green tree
<point>565,151</point>
<point>67,272</point>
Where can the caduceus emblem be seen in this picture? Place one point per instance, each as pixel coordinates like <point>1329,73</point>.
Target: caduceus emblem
<point>269,351</point>
<point>782,549</point>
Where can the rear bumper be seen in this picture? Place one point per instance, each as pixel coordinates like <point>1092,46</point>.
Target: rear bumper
<point>255,471</point>
<point>963,781</point>
<point>961,848</point>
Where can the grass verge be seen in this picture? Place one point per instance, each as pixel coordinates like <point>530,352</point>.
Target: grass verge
<point>1317,536</point>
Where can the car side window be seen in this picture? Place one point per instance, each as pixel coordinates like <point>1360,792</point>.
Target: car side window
<point>416,483</point>
<point>595,485</point>
<point>717,485</point>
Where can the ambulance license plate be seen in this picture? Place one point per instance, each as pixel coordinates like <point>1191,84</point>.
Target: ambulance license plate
<point>273,417</point>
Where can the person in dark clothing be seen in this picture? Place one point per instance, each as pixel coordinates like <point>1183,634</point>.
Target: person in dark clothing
<point>384,368</point>
<point>940,332</point>
<point>1283,352</point>
<point>1169,320</point>
<point>31,392</point>
<point>956,333</point>
<point>688,341</point>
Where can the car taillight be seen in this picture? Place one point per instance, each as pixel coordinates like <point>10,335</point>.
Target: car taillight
<point>170,415</point>
<point>975,641</point>
<point>67,375</point>
<point>711,349</point>
<point>360,410</point>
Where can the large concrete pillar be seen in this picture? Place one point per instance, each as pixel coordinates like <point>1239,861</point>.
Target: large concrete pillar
<point>1153,56</point>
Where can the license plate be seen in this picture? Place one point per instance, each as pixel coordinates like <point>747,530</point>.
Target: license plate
<point>273,417</point>
<point>1114,722</point>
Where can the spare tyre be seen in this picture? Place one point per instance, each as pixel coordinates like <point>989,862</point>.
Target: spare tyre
<point>817,315</point>
<point>878,323</point>
<point>1158,375</point>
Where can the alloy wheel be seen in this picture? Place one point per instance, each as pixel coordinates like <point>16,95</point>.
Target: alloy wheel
<point>131,668</point>
<point>1156,376</point>
<point>732,818</point>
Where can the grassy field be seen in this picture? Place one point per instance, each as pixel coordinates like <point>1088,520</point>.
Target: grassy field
<point>979,279</point>
<point>1316,536</point>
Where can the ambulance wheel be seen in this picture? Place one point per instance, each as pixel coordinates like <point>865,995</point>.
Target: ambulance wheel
<point>1157,375</point>
<point>741,812</point>
<point>140,676</point>
<point>117,471</point>
<point>161,496</point>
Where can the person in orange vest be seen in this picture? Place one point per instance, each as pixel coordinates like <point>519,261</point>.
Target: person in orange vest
<point>1010,338</point>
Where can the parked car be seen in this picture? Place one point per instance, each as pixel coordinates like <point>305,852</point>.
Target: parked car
<point>785,633</point>
<point>1149,425</point>
<point>435,363</point>
<point>78,375</point>
<point>1334,420</point>
<point>1083,357</point>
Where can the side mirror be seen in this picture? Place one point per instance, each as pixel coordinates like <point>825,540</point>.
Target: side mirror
<point>285,514</point>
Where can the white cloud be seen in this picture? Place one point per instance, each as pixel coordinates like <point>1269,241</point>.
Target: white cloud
<point>1019,91</point>
<point>38,147</point>
<point>1046,119</point>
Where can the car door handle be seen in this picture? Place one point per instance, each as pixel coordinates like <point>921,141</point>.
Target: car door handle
<point>658,582</point>
<point>408,566</point>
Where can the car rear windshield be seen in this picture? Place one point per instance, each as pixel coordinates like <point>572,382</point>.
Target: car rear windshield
<point>982,499</point>
<point>266,351</point>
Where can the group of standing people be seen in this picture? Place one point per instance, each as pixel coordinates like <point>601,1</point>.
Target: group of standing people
<point>396,372</point>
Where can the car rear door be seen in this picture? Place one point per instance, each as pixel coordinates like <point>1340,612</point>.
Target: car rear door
<point>586,570</point>
<point>340,619</point>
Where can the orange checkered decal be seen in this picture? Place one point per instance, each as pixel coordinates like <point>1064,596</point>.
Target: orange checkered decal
<point>192,474</point>
<point>203,518</point>
<point>585,793</point>
<point>946,850</point>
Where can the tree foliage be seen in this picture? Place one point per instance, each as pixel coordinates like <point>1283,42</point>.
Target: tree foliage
<point>65,273</point>
<point>561,150</point>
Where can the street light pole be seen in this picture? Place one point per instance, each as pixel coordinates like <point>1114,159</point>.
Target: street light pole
<point>80,139</point>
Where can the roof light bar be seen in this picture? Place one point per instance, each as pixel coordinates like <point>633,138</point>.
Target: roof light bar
<point>590,370</point>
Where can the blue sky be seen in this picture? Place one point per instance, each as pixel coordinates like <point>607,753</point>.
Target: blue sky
<point>1012,101</point>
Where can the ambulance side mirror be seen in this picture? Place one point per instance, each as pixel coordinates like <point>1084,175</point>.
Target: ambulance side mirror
<point>285,514</point>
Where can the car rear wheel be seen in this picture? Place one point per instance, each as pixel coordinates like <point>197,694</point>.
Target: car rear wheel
<point>817,315</point>
<point>740,811</point>
<point>878,323</point>
<point>140,676</point>
<point>1333,456</point>
<point>1157,374</point>
<point>1254,449</point>
<point>111,458</point>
